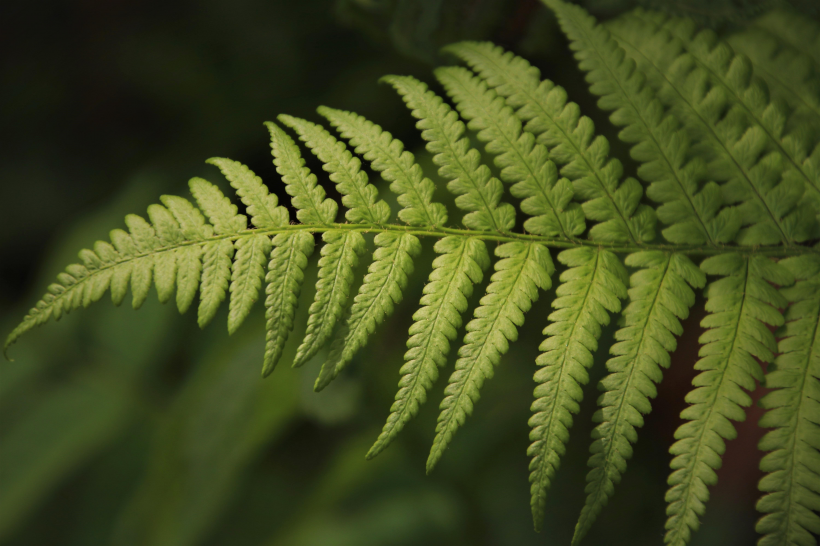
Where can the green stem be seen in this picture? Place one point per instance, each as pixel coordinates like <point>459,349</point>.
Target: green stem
<point>556,242</point>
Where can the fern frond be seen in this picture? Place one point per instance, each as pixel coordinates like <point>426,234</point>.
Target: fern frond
<point>788,72</point>
<point>217,257</point>
<point>800,32</point>
<point>741,305</point>
<point>247,273</point>
<point>523,269</point>
<point>358,195</point>
<point>168,234</point>
<point>571,141</point>
<point>381,291</point>
<point>791,486</point>
<point>162,254</point>
<point>461,264</point>
<point>590,289</point>
<point>188,258</point>
<point>522,161</point>
<point>692,213</point>
<point>340,256</point>
<point>285,276</point>
<point>693,113</point>
<point>479,193</point>
<point>263,207</point>
<point>249,266</point>
<point>222,214</point>
<point>726,139</point>
<point>340,253</point>
<point>755,126</point>
<point>387,156</point>
<point>306,195</point>
<point>217,267</point>
<point>659,297</point>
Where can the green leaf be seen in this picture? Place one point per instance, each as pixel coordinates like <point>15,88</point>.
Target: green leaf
<point>659,297</point>
<point>659,143</point>
<point>791,486</point>
<point>377,297</point>
<point>736,148</point>
<point>189,271</point>
<point>571,141</point>
<point>307,196</point>
<point>523,163</point>
<point>387,156</point>
<point>247,273</point>
<point>741,304</point>
<point>190,220</point>
<point>217,257</point>
<point>461,264</point>
<point>800,32</point>
<point>261,205</point>
<point>590,289</point>
<point>285,277</point>
<point>479,193</point>
<point>523,269</point>
<point>789,72</point>
<point>340,256</point>
<point>218,208</point>
<point>358,195</point>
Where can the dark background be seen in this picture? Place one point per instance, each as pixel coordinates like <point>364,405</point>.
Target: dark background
<point>137,428</point>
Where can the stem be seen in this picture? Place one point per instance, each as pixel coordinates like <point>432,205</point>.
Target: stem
<point>557,242</point>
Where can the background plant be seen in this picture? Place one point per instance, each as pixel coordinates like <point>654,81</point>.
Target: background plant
<point>759,230</point>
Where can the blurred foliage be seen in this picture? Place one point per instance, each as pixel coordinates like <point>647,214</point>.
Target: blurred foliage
<point>419,28</point>
<point>130,428</point>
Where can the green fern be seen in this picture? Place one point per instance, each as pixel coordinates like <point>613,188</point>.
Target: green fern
<point>740,304</point>
<point>791,484</point>
<point>733,169</point>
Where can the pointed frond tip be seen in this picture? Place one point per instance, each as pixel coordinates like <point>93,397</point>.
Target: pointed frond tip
<point>727,146</point>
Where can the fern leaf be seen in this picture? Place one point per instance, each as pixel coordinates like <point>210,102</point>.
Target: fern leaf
<point>189,258</point>
<point>659,298</point>
<point>340,255</point>
<point>190,220</point>
<point>751,106</point>
<point>571,141</point>
<point>144,241</point>
<point>218,208</point>
<point>692,214</point>
<point>246,277</point>
<point>792,482</point>
<point>387,156</point>
<point>522,161</point>
<point>285,277</point>
<point>741,305</point>
<point>380,292</point>
<point>307,196</point>
<point>165,226</point>
<point>358,195</point>
<point>788,72</point>
<point>461,264</point>
<point>523,269</point>
<point>217,257</point>
<point>130,259</point>
<point>189,273</point>
<point>165,263</point>
<point>261,205</point>
<point>801,32</point>
<point>590,289</point>
<point>734,147</point>
<point>479,193</point>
